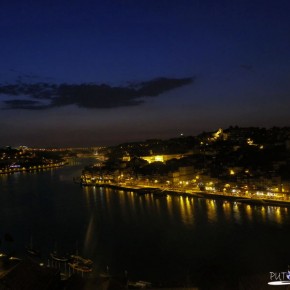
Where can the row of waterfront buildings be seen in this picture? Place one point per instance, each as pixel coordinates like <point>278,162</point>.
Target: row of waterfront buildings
<point>245,161</point>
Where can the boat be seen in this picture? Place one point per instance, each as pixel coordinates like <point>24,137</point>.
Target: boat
<point>80,264</point>
<point>139,284</point>
<point>2,255</point>
<point>105,274</point>
<point>31,250</point>
<point>55,256</point>
<point>254,201</point>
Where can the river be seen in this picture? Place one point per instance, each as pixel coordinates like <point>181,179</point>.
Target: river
<point>170,239</point>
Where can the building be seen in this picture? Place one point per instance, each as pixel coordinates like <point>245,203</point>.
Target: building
<point>162,158</point>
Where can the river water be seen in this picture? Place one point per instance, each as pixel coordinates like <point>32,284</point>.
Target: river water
<point>172,239</point>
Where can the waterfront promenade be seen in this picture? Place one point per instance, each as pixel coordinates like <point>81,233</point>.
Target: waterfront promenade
<point>162,190</point>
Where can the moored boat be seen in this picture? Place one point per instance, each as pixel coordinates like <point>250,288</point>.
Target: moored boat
<point>80,264</point>
<point>55,256</point>
<point>31,250</point>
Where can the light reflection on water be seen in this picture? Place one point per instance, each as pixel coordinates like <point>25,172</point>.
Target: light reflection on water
<point>211,210</point>
<point>183,208</point>
<point>227,210</point>
<point>169,207</point>
<point>249,212</point>
<point>180,208</point>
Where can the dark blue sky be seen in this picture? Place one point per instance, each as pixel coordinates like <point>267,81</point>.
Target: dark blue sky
<point>80,73</point>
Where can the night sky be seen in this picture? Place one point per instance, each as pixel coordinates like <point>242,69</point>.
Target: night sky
<point>89,73</point>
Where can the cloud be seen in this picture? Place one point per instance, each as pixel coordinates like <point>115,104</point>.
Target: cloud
<point>27,104</point>
<point>91,96</point>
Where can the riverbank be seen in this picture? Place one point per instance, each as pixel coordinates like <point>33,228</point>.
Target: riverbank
<point>31,168</point>
<point>159,192</point>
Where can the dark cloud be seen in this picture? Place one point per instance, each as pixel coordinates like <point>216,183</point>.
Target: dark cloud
<point>24,104</point>
<point>86,95</point>
<point>158,86</point>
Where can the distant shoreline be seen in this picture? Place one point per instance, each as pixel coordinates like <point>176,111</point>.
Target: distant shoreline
<point>31,168</point>
<point>158,192</point>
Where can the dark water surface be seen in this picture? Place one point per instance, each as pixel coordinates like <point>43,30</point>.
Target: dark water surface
<point>169,238</point>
